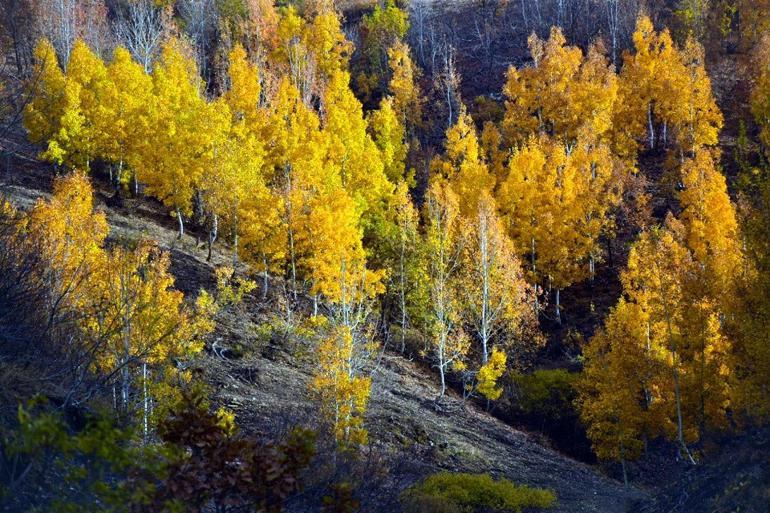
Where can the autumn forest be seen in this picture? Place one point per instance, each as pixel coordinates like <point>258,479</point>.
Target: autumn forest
<point>397,255</point>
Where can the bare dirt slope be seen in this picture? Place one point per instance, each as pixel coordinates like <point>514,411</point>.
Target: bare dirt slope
<point>265,381</point>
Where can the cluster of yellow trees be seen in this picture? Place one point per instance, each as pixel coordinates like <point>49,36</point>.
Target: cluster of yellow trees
<point>663,363</point>
<point>311,188</point>
<point>682,353</point>
<point>116,307</point>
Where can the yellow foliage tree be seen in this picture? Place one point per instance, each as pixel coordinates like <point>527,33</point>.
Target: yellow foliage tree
<point>42,115</point>
<point>344,393</point>
<point>352,150</point>
<point>663,85</point>
<point>641,86</point>
<point>234,187</point>
<point>617,387</point>
<point>664,342</point>
<point>711,225</point>
<point>174,163</point>
<point>407,99</point>
<point>407,276</point>
<point>144,324</point>
<point>74,142</point>
<point>295,154</point>
<point>463,166</point>
<point>693,113</point>
<point>389,136</point>
<point>325,39</point>
<point>121,303</point>
<point>244,95</point>
<point>490,373</point>
<point>496,300</point>
<point>71,236</point>
<point>554,203</point>
<point>128,95</point>
<point>561,94</point>
<point>444,241</point>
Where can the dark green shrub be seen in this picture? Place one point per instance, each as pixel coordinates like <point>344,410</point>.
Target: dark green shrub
<point>545,401</point>
<point>447,492</point>
<point>547,394</point>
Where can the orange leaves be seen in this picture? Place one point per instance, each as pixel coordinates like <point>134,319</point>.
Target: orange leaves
<point>668,339</point>
<point>710,221</point>
<point>561,94</point>
<point>554,202</point>
<point>463,165</point>
<point>664,85</point>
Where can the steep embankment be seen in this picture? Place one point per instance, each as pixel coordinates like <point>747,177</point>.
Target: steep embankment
<point>264,379</point>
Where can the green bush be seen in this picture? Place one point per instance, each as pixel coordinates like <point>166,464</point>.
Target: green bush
<point>446,492</point>
<point>548,394</point>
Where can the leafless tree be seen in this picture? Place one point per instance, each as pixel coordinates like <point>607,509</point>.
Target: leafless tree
<point>93,27</point>
<point>62,22</point>
<point>200,19</point>
<point>57,21</point>
<point>419,15</point>
<point>16,17</point>
<point>448,81</point>
<point>140,27</point>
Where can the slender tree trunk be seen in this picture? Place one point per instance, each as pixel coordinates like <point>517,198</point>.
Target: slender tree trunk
<point>650,126</point>
<point>235,241</point>
<point>484,253</point>
<point>441,366</point>
<point>180,220</point>
<point>293,265</point>
<point>125,371</point>
<point>146,402</point>
<point>558,306</point>
<point>213,234</point>
<point>125,375</point>
<point>623,464</point>
<point>402,293</point>
<point>679,421</point>
<point>703,383</point>
<point>265,281</point>
<point>403,321</point>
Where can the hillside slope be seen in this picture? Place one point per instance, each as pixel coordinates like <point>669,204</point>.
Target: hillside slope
<point>265,381</point>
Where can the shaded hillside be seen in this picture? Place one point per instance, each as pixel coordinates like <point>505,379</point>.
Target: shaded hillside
<point>264,378</point>
<point>736,477</point>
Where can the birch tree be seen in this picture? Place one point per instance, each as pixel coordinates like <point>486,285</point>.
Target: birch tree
<point>444,240</point>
